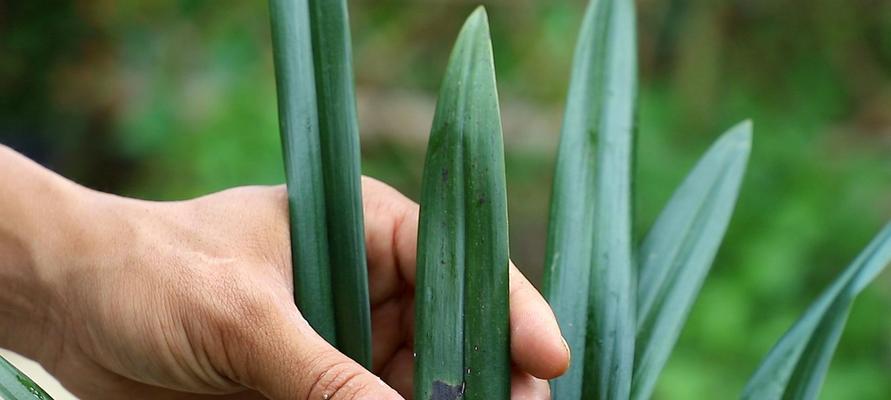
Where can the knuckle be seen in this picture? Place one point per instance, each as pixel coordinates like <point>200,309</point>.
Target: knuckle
<point>338,380</point>
<point>241,324</point>
<point>246,308</point>
<point>234,305</point>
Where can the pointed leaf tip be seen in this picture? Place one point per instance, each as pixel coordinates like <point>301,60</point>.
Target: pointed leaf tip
<point>477,22</point>
<point>738,137</point>
<point>678,252</point>
<point>480,12</point>
<point>797,364</point>
<point>742,132</point>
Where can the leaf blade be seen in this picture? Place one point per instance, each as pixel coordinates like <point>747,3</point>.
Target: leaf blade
<point>678,251</point>
<point>439,307</point>
<point>342,174</point>
<point>589,267</point>
<point>298,122</point>
<point>486,340</point>
<point>15,385</point>
<point>462,328</point>
<point>796,365</point>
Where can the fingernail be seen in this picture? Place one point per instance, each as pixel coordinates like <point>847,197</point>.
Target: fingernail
<point>566,346</point>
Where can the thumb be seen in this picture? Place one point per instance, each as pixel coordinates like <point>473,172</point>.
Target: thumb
<point>284,358</point>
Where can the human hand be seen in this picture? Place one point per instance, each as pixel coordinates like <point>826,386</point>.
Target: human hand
<point>180,300</point>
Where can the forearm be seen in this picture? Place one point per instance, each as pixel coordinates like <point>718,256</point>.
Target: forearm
<point>36,212</point>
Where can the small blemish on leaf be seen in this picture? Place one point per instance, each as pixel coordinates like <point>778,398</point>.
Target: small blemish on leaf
<point>444,391</point>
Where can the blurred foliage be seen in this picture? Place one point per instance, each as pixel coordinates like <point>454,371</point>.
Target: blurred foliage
<point>169,99</point>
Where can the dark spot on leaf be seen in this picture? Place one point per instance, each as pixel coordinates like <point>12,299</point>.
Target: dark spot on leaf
<point>445,174</point>
<point>480,201</point>
<point>444,391</point>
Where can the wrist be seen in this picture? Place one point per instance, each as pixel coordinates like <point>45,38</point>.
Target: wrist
<point>38,214</point>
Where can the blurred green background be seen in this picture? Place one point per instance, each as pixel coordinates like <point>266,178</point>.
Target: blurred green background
<point>167,99</point>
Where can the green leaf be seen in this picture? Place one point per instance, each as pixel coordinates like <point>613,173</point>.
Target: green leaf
<point>298,120</point>
<point>462,334</point>
<point>487,333</point>
<point>589,266</point>
<point>339,139</point>
<point>678,252</point>
<point>795,367</point>
<point>15,385</point>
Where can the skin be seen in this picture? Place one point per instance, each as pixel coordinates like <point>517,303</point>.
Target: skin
<point>125,298</point>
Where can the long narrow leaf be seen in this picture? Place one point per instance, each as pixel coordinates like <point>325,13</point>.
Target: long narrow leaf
<point>298,121</point>
<point>15,385</point>
<point>486,341</point>
<point>339,139</point>
<point>439,299</point>
<point>589,268</point>
<point>462,245</point>
<point>796,366</point>
<point>678,252</point>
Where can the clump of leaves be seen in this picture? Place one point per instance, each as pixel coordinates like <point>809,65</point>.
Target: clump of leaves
<point>622,314</point>
<point>621,308</point>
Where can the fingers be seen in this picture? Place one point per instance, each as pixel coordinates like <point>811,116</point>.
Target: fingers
<point>527,387</point>
<point>280,356</point>
<point>537,346</point>
<point>389,332</point>
<point>523,386</point>
<point>391,235</point>
<point>399,372</point>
